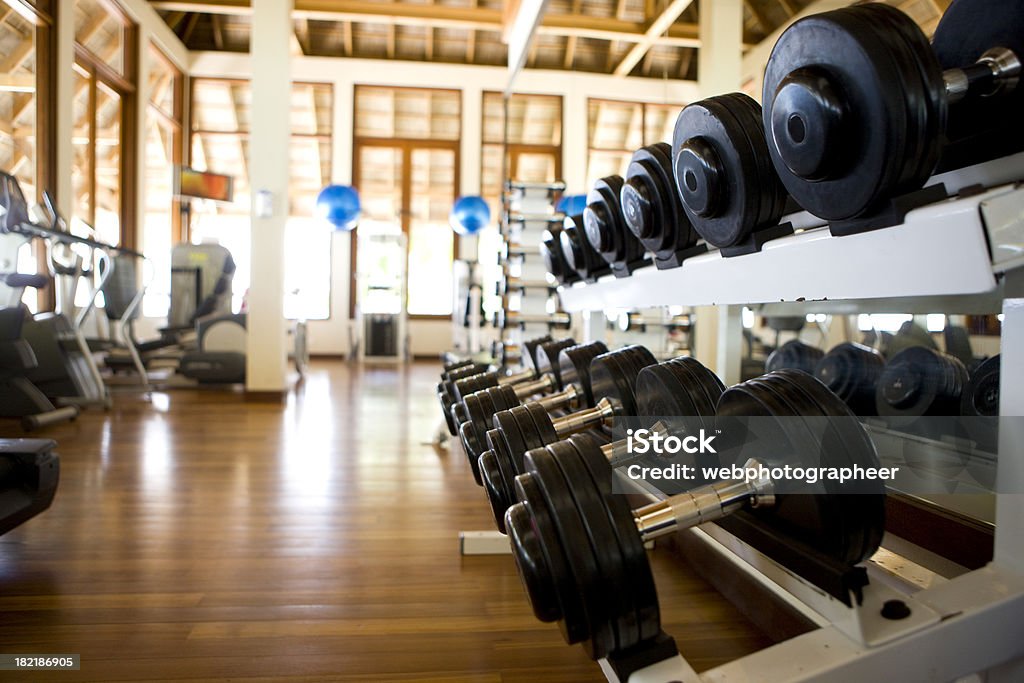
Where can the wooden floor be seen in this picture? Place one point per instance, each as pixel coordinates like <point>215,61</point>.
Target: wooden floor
<point>200,536</point>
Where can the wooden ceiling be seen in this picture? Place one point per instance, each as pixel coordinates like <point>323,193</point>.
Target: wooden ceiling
<point>598,36</point>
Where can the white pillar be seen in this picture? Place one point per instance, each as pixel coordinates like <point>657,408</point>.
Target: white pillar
<point>720,56</point>
<point>268,172</point>
<point>719,71</point>
<point>470,151</point>
<point>1009,551</point>
<point>575,127</point>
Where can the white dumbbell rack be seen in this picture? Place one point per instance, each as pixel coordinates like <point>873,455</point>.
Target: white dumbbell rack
<point>528,209</point>
<point>963,254</point>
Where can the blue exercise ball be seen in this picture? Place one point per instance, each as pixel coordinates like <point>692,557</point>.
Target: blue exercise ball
<point>470,215</point>
<point>572,204</point>
<point>339,205</point>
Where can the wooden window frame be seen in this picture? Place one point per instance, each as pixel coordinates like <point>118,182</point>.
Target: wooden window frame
<point>643,124</point>
<point>512,151</point>
<point>407,145</point>
<point>175,120</point>
<point>124,84</point>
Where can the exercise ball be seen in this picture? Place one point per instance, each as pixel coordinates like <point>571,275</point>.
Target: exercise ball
<point>572,204</point>
<point>469,215</point>
<point>339,206</point>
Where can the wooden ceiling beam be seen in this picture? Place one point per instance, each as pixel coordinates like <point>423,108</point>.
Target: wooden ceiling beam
<point>759,16</point>
<point>466,18</point>
<point>656,27</point>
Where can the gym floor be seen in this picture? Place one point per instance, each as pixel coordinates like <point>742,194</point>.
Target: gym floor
<point>203,536</point>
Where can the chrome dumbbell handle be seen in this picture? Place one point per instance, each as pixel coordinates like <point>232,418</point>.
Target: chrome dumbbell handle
<point>703,504</point>
<point>998,70</point>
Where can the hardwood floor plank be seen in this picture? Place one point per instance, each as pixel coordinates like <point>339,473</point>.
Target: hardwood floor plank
<point>203,537</point>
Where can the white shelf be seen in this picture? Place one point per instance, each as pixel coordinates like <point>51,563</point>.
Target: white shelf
<point>941,250</point>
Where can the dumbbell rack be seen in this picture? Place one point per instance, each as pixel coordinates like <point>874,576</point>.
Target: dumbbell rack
<point>964,253</point>
<point>527,210</point>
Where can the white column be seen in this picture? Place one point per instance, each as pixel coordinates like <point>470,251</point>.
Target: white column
<point>719,69</point>
<point>574,140</point>
<point>720,58</point>
<point>1009,550</point>
<point>470,151</point>
<point>268,171</point>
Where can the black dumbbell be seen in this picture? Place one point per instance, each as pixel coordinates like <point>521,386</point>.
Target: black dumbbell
<point>855,103</point>
<point>606,228</point>
<point>651,208</point>
<point>554,258</point>
<point>794,354</point>
<point>511,319</point>
<point>579,255</point>
<point>722,170</point>
<point>852,371</point>
<point>679,395</point>
<point>570,390</point>
<point>579,548</point>
<point>507,285</point>
<point>981,396</point>
<point>921,381</point>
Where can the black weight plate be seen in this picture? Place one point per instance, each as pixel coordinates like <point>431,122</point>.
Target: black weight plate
<point>579,255</point>
<point>531,348</point>
<point>531,564</point>
<point>574,367</point>
<point>916,382</point>
<point>469,385</point>
<point>981,396</point>
<point>640,584</point>
<point>794,354</point>
<point>605,226</point>
<point>851,372</point>
<point>981,128</point>
<point>514,442</point>
<point>582,563</point>
<point>838,521</point>
<point>671,389</point>
<point>859,506</point>
<point>590,506</point>
<point>716,183</point>
<point>480,410</point>
<point>856,168</point>
<point>509,467</point>
<point>650,204</point>
<point>773,194</point>
<point>746,139</point>
<point>546,358</point>
<point>540,422</point>
<point>498,489</point>
<point>613,374</point>
<point>573,623</point>
<point>897,36</point>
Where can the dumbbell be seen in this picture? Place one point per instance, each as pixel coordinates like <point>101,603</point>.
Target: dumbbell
<point>606,228</point>
<point>794,354</point>
<point>554,258</point>
<point>509,284</point>
<point>580,255</point>
<point>446,388</point>
<point>579,548</point>
<point>569,390</point>
<point>920,381</point>
<point>855,103</point>
<point>510,251</point>
<point>678,394</point>
<point>510,319</point>
<point>852,371</point>
<point>981,396</point>
<point>651,208</point>
<point>722,170</point>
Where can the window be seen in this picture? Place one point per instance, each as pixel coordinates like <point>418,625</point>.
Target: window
<point>406,169</point>
<point>102,100</point>
<point>161,227</point>
<point>221,115</point>
<point>617,129</point>
<point>25,108</point>
<point>533,147</point>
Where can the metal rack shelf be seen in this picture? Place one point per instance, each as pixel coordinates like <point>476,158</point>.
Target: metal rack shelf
<point>941,250</point>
